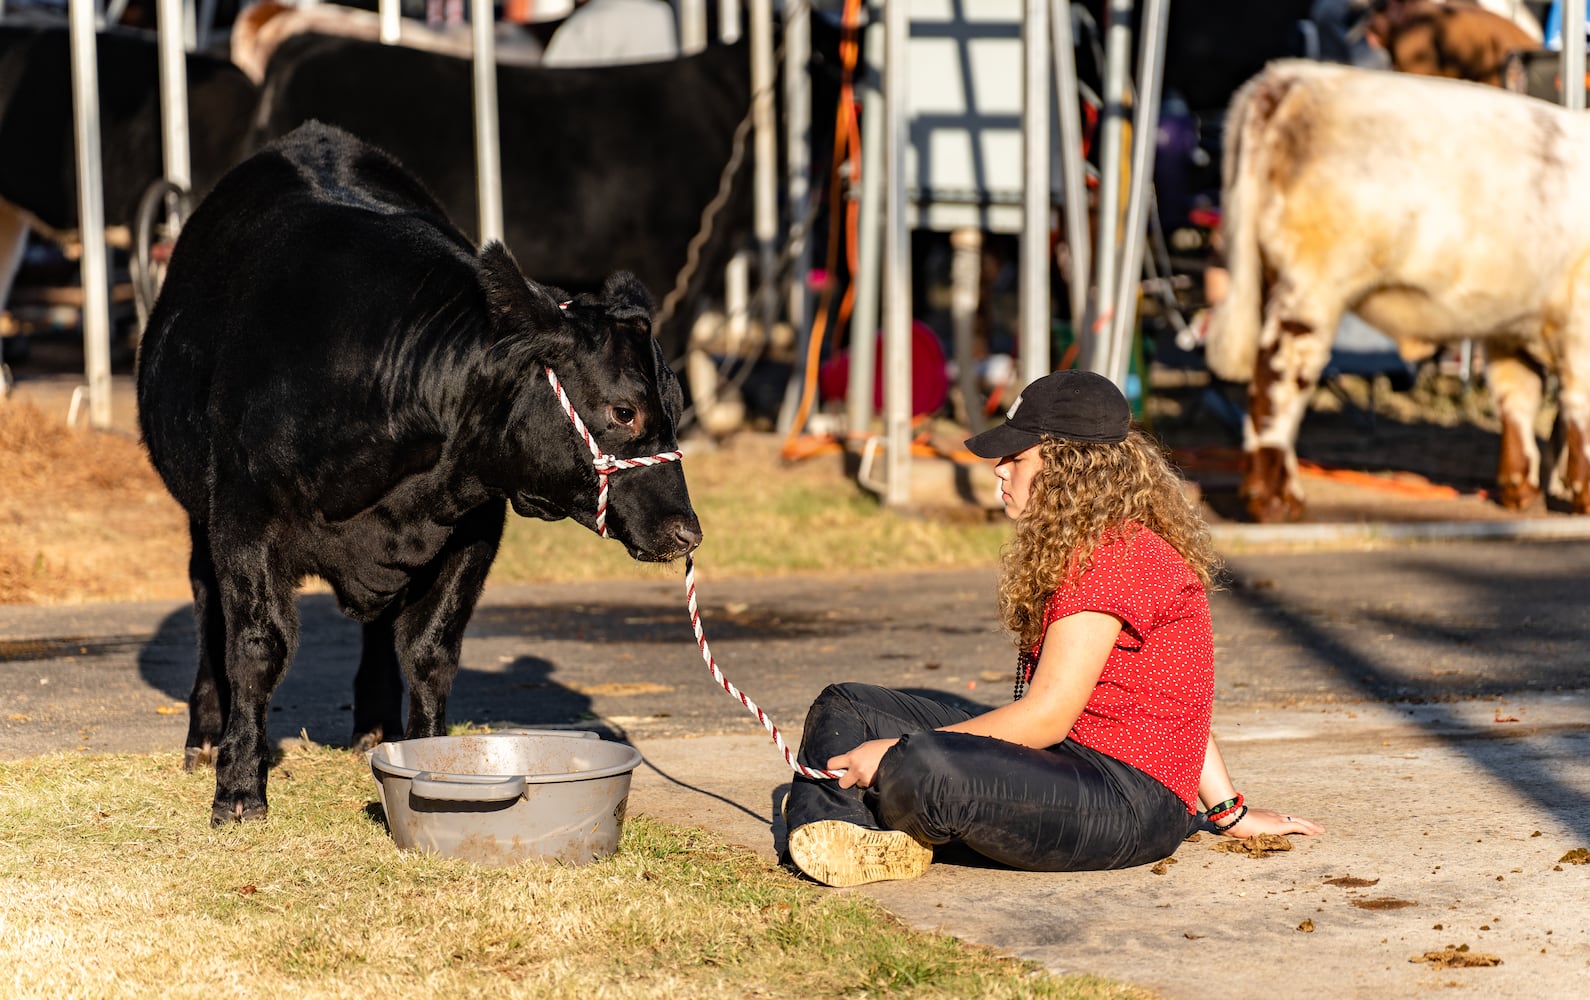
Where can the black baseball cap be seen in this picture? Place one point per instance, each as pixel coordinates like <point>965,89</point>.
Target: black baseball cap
<point>1073,405</point>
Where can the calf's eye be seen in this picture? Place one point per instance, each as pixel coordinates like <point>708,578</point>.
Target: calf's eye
<point>622,415</point>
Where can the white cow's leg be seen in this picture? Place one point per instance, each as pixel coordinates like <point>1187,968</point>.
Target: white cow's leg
<point>1515,386</point>
<point>1576,454</point>
<point>1573,400</point>
<point>1294,346</point>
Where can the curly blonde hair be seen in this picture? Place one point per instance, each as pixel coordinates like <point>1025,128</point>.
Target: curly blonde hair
<point>1081,492</point>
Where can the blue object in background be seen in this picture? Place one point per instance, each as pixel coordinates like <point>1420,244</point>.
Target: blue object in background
<point>1553,27</point>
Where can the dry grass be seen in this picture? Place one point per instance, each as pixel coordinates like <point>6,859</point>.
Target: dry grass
<point>114,886</point>
<point>83,517</point>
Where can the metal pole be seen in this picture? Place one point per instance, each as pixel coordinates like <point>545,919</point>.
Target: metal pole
<point>736,301</point>
<point>1034,289</point>
<point>966,269</point>
<point>1106,262</point>
<point>798,158</point>
<point>869,230</point>
<point>391,21</point>
<point>692,26</point>
<point>174,100</point>
<point>729,21</point>
<point>1573,45</point>
<point>736,273</point>
<point>95,266</point>
<point>1072,169</point>
<point>488,158</point>
<point>765,141</point>
<point>897,264</point>
<point>1150,71</point>
<point>173,95</point>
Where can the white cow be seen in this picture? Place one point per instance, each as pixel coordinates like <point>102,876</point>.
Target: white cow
<point>1434,209</point>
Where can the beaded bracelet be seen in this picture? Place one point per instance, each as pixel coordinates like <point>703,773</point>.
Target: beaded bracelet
<point>1225,808</point>
<point>1241,814</point>
<point>1220,816</point>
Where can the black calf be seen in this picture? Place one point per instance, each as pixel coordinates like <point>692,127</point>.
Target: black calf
<point>335,383</point>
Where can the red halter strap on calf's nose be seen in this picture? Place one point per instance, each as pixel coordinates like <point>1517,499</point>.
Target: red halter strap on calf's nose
<point>606,465</point>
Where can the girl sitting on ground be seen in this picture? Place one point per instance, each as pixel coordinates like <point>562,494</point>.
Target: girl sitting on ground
<point>1104,759</point>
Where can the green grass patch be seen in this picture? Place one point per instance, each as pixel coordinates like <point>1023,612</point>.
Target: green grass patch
<point>114,885</point>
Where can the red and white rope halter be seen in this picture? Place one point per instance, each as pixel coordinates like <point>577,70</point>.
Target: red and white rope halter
<point>606,465</point>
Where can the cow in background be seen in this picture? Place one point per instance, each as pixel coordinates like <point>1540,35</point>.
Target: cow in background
<point>1463,41</point>
<point>38,168</point>
<point>1437,210</point>
<point>602,168</point>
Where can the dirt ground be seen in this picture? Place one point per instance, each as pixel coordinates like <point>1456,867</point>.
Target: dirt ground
<point>84,518</point>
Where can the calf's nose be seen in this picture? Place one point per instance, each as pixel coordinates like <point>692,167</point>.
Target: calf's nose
<point>687,531</point>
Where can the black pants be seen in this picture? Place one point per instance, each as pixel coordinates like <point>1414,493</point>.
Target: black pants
<point>1067,808</point>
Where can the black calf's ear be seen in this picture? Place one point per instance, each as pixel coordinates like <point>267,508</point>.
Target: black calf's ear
<point>515,301</point>
<point>627,299</point>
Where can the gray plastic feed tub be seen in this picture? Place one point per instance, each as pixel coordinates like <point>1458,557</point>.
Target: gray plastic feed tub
<point>499,798</point>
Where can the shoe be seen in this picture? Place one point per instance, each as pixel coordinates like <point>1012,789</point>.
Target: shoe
<point>841,854</point>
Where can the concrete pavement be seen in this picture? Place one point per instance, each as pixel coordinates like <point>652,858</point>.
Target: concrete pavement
<point>1427,703</point>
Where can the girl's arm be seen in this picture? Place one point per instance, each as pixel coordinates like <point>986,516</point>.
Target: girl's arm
<point>1075,649</point>
<point>1215,787</point>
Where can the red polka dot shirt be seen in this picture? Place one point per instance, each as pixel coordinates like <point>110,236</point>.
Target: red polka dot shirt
<point>1153,703</point>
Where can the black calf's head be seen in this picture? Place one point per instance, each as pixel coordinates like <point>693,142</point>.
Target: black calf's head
<point>612,371</point>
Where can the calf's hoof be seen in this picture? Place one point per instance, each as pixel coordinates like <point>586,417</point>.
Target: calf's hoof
<point>194,758</point>
<point>238,810</point>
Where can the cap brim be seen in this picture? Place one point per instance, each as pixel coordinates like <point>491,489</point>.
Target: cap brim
<point>997,442</point>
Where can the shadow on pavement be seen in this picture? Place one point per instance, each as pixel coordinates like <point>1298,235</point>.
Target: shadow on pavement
<point>315,697</point>
<point>1488,620</point>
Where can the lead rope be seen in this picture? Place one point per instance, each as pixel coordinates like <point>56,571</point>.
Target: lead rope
<point>717,675</point>
<point>606,465</point>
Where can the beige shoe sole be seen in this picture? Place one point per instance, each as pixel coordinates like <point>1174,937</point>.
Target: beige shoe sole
<point>841,854</point>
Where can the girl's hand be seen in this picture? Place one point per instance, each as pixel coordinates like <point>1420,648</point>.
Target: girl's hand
<point>1259,821</point>
<point>861,764</point>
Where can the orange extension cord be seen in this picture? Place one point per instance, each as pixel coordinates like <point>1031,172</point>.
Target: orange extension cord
<point>847,142</point>
<point>847,136</point>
